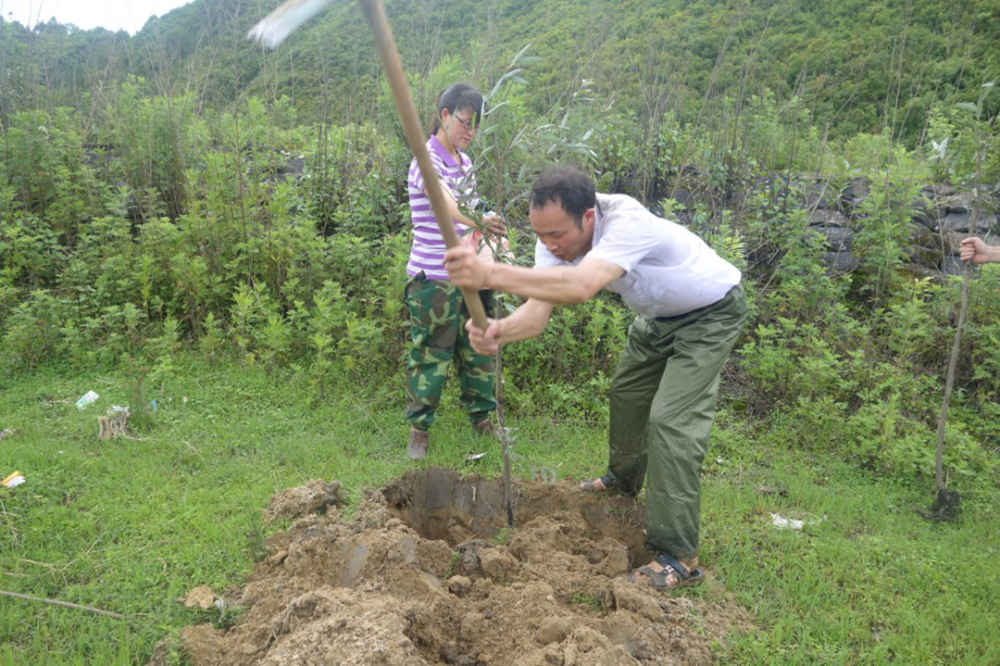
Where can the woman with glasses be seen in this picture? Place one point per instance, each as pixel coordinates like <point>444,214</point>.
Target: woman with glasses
<point>437,311</point>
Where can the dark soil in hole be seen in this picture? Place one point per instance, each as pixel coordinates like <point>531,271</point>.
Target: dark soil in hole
<point>424,572</point>
<point>947,505</point>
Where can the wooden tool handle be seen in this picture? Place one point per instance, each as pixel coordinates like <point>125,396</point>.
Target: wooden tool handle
<point>375,13</point>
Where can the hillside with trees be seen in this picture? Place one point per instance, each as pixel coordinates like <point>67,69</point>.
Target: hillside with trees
<point>857,66</point>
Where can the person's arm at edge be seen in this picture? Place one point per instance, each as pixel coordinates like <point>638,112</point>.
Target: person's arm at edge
<point>975,250</point>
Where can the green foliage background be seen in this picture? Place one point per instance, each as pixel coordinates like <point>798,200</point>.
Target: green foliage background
<point>183,189</point>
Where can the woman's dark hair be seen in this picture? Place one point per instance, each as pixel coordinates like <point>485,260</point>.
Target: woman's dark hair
<point>458,96</point>
<point>571,187</point>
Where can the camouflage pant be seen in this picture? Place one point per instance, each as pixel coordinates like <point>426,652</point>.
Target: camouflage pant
<point>437,334</point>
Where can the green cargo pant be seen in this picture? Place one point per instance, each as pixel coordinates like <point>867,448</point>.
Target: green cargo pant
<point>663,400</point>
<point>438,336</point>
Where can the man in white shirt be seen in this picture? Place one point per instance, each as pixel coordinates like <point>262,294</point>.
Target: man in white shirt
<point>691,308</point>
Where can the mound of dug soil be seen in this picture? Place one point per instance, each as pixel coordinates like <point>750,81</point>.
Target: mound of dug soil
<point>424,572</point>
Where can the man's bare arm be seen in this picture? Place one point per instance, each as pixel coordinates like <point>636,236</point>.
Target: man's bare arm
<point>553,284</point>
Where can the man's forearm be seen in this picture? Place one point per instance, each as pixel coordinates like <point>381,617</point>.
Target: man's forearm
<point>553,284</point>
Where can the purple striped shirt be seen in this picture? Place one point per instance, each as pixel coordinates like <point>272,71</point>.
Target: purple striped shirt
<point>427,253</point>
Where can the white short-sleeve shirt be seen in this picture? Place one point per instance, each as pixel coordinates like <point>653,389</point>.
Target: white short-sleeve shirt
<point>669,271</point>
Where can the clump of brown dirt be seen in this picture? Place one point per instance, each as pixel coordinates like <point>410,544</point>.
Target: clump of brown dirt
<point>313,497</point>
<point>425,573</point>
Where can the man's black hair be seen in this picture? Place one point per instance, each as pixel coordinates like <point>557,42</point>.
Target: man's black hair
<point>568,185</point>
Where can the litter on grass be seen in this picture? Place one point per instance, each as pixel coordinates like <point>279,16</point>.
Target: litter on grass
<point>4,434</point>
<point>13,480</point>
<point>783,523</point>
<point>473,457</point>
<point>87,398</point>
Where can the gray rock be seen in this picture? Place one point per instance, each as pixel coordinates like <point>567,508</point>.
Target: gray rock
<point>989,224</point>
<point>940,190</point>
<point>836,239</point>
<point>821,195</point>
<point>954,222</point>
<point>919,271</point>
<point>829,218</point>
<point>952,266</point>
<point>951,240</point>
<point>930,221</point>
<point>857,190</point>
<point>925,256</point>
<point>956,203</point>
<point>839,262</point>
<point>922,236</point>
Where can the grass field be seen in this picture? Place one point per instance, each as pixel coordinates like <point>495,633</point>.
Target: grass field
<point>131,526</point>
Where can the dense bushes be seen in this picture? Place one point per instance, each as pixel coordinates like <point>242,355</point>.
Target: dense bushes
<point>247,239</point>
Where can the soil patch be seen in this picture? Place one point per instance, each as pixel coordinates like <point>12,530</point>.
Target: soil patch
<point>424,572</point>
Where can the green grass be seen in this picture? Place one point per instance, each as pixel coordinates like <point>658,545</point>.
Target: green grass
<point>131,526</point>
<point>872,582</point>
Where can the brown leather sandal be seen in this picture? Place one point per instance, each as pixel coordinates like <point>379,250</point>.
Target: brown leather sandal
<point>669,567</point>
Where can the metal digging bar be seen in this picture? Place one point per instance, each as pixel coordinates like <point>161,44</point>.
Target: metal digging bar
<point>284,20</point>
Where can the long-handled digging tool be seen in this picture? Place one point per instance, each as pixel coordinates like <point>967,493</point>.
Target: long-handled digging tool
<point>284,20</point>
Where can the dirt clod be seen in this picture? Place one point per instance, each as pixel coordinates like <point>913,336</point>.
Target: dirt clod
<point>425,572</point>
<point>312,497</point>
<point>200,597</point>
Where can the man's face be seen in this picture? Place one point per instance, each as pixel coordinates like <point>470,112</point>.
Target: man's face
<point>559,232</point>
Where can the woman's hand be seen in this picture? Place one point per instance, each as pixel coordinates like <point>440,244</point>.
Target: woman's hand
<point>494,225</point>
